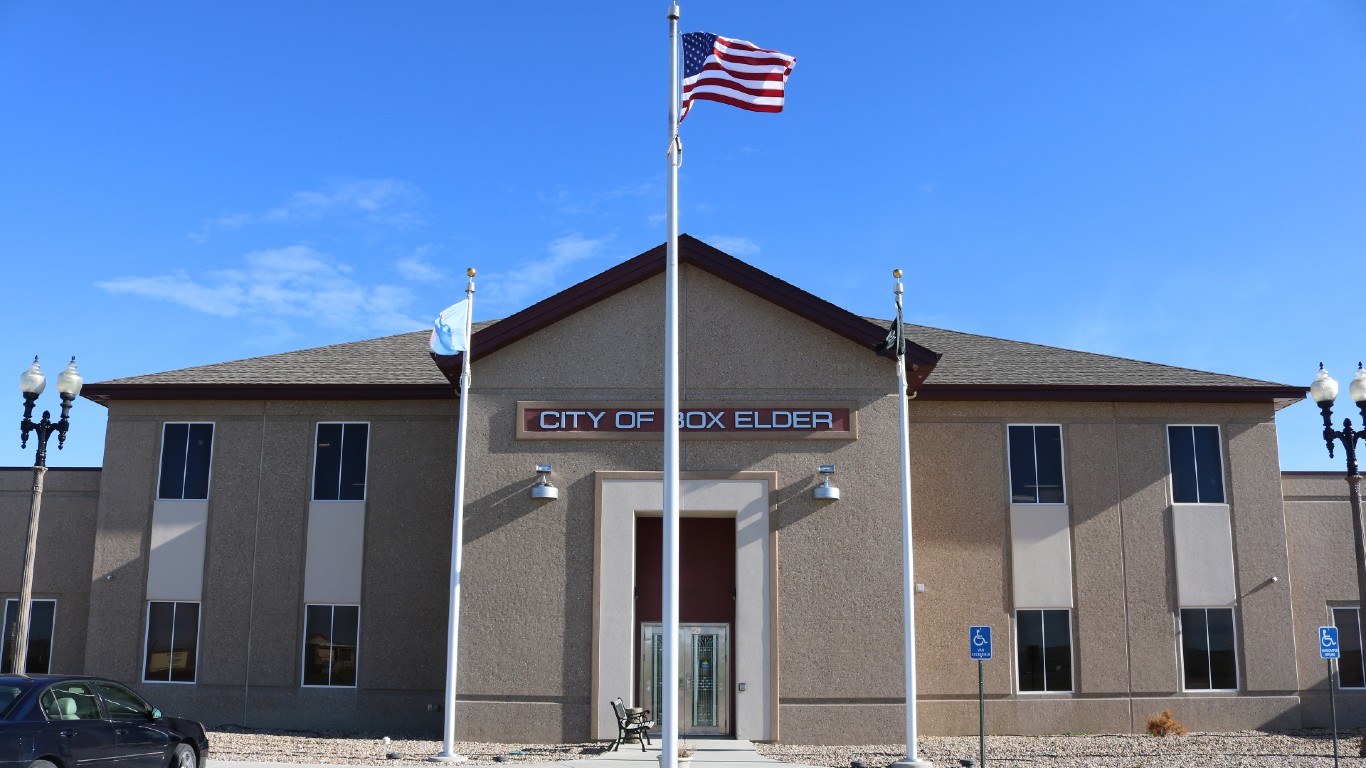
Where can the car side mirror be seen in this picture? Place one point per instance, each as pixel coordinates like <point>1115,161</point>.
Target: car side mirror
<point>156,714</point>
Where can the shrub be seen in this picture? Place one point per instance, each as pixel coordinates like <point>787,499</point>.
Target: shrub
<point>1166,725</point>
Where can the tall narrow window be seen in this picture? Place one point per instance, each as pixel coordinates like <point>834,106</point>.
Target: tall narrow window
<point>1351,673</point>
<point>339,462</point>
<point>1197,467</point>
<point>1035,464</point>
<point>1207,649</point>
<point>185,453</point>
<point>1043,649</point>
<point>172,642</point>
<point>42,615</point>
<point>331,635</point>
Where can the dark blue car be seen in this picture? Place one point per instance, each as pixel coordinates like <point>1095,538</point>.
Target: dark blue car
<point>71,722</point>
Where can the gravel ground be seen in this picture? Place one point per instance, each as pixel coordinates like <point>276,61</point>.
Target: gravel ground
<point>366,749</point>
<point>1244,749</point>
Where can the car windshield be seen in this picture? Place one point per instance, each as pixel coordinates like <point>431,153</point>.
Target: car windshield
<point>9,694</point>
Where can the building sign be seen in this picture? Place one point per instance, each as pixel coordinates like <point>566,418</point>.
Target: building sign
<point>696,421</point>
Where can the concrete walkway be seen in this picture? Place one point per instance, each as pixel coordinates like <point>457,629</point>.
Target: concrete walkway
<point>730,753</point>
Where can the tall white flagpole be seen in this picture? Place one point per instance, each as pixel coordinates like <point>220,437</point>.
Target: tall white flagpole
<point>668,701</point>
<point>448,754</point>
<point>912,760</point>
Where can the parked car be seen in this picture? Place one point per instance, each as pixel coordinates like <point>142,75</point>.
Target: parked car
<point>68,722</point>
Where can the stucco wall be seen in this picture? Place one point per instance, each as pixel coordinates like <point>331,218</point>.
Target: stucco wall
<point>1323,575</point>
<point>251,620</point>
<point>66,540</point>
<point>525,662</point>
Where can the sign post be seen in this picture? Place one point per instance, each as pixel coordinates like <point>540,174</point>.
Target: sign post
<point>979,648</point>
<point>1328,651</point>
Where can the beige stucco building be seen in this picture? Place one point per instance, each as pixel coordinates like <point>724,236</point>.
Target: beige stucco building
<point>269,540</point>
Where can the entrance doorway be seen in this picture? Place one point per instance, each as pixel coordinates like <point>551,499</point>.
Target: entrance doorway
<point>703,676</point>
<point>706,603</point>
<point>726,578</point>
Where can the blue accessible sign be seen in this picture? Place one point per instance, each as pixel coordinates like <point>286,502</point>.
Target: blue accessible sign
<point>979,643</point>
<point>1328,643</point>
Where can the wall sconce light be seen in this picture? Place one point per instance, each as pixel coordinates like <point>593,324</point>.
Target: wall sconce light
<point>825,491</point>
<point>543,489</point>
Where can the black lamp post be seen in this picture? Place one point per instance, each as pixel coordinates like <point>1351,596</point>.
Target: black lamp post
<point>31,383</point>
<point>1324,391</point>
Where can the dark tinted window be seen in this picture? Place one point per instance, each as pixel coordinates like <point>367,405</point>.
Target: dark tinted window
<point>123,704</point>
<point>339,462</point>
<point>1197,471</point>
<point>1207,649</point>
<point>331,638</point>
<point>1043,648</point>
<point>1350,672</point>
<point>185,453</point>
<point>172,642</point>
<point>42,615</point>
<point>9,694</point>
<point>1035,464</point>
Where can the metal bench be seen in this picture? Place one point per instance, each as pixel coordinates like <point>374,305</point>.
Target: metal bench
<point>631,723</point>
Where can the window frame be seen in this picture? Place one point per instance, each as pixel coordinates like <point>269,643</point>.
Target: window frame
<point>1181,648</point>
<point>5,647</point>
<point>101,686</point>
<point>198,639</point>
<point>1171,473</point>
<point>1333,622</point>
<point>365,480</point>
<point>208,480</point>
<point>1034,447</point>
<point>1071,653</point>
<point>303,655</point>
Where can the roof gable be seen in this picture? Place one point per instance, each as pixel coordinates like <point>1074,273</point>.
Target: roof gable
<point>862,331</point>
<point>973,367</point>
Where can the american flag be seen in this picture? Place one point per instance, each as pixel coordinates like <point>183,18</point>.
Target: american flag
<point>733,72</point>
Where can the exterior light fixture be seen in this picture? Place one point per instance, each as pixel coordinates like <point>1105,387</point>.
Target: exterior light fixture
<point>543,489</point>
<point>825,491</point>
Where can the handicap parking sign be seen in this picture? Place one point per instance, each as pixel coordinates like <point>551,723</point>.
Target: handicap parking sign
<point>1328,643</point>
<point>979,643</point>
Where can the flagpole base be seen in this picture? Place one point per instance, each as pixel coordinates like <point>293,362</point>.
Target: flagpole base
<point>906,763</point>
<point>445,758</point>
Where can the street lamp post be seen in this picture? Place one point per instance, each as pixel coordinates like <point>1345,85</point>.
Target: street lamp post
<point>31,383</point>
<point>1324,391</point>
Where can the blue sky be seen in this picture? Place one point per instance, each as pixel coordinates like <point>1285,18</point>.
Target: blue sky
<point>1177,182</point>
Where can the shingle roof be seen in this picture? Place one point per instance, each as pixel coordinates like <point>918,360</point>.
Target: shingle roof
<point>969,359</point>
<point>969,366</point>
<point>399,359</point>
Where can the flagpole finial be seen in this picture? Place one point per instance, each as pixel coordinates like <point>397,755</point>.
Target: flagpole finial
<point>470,271</point>
<point>896,273</point>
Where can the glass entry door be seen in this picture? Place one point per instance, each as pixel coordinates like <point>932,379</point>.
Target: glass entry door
<point>703,676</point>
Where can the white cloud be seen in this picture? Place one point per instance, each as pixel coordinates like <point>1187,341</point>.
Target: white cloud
<point>735,246</point>
<point>384,202</point>
<point>514,289</point>
<point>292,282</point>
<point>418,270</point>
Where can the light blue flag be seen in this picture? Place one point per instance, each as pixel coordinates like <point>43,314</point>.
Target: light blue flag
<point>448,335</point>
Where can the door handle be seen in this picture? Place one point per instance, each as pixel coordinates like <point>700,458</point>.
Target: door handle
<point>68,733</point>
<point>121,731</point>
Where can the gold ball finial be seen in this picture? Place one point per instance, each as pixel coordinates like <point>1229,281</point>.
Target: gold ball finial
<point>896,273</point>
<point>470,271</point>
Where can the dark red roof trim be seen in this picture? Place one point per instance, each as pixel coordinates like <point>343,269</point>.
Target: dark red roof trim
<point>697,253</point>
<point>1089,393</point>
<point>102,393</point>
